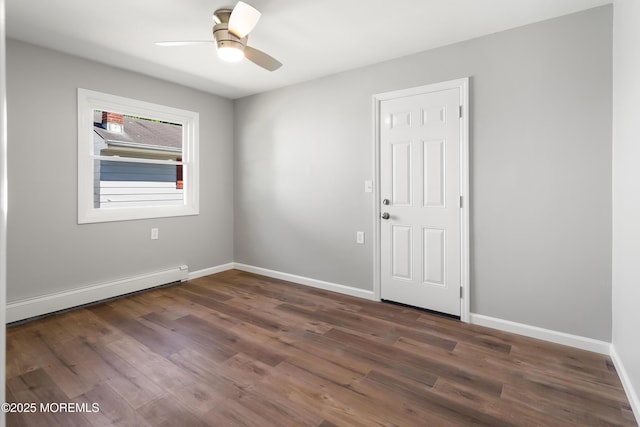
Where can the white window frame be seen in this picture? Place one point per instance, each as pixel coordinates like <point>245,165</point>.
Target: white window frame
<point>88,101</point>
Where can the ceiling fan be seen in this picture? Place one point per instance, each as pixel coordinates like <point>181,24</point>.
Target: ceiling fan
<point>230,32</point>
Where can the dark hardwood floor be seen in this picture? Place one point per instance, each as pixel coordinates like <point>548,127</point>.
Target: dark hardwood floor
<point>239,349</point>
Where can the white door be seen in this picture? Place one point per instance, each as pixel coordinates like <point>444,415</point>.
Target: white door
<point>420,161</point>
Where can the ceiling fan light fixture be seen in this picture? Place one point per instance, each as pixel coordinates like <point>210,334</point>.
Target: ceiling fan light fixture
<point>230,53</point>
<point>243,19</point>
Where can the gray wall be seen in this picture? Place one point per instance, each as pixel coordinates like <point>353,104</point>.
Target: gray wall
<point>626,193</point>
<point>47,250</point>
<point>540,171</point>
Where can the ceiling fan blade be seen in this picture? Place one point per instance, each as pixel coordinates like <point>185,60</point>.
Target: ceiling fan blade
<point>243,19</point>
<point>260,58</point>
<point>182,43</point>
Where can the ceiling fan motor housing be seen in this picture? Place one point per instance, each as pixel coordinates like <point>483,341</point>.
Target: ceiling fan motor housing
<point>224,38</point>
<point>221,33</point>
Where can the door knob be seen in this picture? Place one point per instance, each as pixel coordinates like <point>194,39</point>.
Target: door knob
<point>385,215</point>
<point>385,202</point>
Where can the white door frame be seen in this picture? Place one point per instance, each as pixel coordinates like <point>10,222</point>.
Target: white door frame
<point>463,85</point>
<point>3,202</point>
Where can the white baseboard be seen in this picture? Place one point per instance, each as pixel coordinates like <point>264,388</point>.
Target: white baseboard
<point>630,391</point>
<point>37,306</point>
<point>210,270</point>
<point>576,341</point>
<point>327,286</point>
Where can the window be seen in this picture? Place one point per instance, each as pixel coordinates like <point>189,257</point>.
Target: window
<point>135,159</point>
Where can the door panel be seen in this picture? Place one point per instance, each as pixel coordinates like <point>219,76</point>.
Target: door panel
<point>401,252</point>
<point>420,140</point>
<point>400,119</point>
<point>401,173</point>
<point>433,255</point>
<point>434,169</point>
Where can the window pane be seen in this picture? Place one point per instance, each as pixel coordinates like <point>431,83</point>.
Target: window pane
<point>131,184</point>
<point>136,159</point>
<point>137,137</point>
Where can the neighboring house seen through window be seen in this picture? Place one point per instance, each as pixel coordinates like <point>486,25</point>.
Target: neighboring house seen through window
<point>135,159</point>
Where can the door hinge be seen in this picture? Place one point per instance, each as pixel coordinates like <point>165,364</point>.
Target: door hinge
<point>459,111</point>
<point>461,292</point>
<point>460,202</point>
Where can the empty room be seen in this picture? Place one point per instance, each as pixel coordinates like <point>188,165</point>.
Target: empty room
<point>335,213</point>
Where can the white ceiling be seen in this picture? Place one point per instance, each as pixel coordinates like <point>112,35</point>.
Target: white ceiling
<point>312,38</point>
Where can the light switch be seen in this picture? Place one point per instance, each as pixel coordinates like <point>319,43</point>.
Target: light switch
<point>360,237</point>
<point>368,186</point>
<point>154,234</point>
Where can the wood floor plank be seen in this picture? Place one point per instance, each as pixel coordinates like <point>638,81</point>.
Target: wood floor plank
<point>230,310</point>
<point>113,409</point>
<point>278,408</point>
<point>244,370</point>
<point>325,369</point>
<point>377,328</point>
<point>21,391</point>
<point>159,370</point>
<point>564,403</point>
<point>401,394</point>
<point>24,351</point>
<point>157,340</point>
<point>242,412</point>
<point>268,396</point>
<point>168,306</point>
<point>320,396</point>
<point>130,383</point>
<point>167,412</point>
<point>491,405</point>
<point>187,337</point>
<point>38,386</point>
<point>226,338</point>
<point>200,366</point>
<point>236,348</point>
<point>412,361</point>
<point>71,379</point>
<point>14,418</point>
<point>270,310</point>
<point>336,352</point>
<point>201,396</point>
<point>79,322</point>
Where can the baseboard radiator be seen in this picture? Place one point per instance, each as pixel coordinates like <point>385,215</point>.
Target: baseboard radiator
<point>50,303</point>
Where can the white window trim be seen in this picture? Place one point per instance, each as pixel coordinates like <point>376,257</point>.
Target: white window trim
<point>88,101</point>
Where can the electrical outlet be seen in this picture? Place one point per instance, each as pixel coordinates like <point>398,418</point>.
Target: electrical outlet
<point>360,237</point>
<point>154,234</point>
